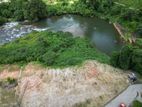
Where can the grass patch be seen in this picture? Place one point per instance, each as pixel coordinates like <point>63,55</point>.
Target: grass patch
<point>83,104</point>
<point>137,104</point>
<point>9,68</point>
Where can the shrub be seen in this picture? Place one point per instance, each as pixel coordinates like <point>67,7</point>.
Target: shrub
<point>36,10</point>
<point>125,57</point>
<point>11,80</point>
<point>130,57</point>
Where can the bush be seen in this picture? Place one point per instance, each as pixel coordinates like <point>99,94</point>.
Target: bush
<point>125,57</point>
<point>11,80</point>
<point>35,10</point>
<point>139,30</point>
<point>2,20</point>
<point>5,10</point>
<point>137,104</point>
<point>49,58</point>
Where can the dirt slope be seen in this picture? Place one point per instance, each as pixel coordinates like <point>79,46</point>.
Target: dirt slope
<point>92,82</point>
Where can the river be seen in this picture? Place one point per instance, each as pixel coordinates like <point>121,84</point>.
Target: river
<point>101,34</point>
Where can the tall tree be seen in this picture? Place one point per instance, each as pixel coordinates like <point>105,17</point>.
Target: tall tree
<point>36,9</point>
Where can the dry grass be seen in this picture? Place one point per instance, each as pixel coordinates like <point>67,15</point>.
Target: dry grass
<point>71,86</point>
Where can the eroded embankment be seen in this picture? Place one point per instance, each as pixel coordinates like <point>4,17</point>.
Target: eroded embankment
<point>92,82</point>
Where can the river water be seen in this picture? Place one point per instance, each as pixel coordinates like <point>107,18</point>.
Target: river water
<point>101,34</point>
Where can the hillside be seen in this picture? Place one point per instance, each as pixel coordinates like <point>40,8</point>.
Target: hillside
<point>91,84</point>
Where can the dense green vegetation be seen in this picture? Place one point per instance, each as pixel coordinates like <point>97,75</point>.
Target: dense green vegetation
<point>137,104</point>
<point>59,7</point>
<point>130,57</point>
<point>51,49</point>
<point>32,10</point>
<point>131,3</point>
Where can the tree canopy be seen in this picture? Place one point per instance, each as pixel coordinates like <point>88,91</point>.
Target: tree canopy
<point>23,9</point>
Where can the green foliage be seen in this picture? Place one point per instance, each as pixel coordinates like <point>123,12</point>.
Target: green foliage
<point>137,60</point>
<point>126,12</point>
<point>51,49</point>
<point>131,3</point>
<point>137,104</point>
<point>83,104</point>
<point>2,20</point>
<point>125,57</point>
<point>23,9</point>
<point>16,7</point>
<point>115,59</point>
<point>130,57</point>
<point>139,30</point>
<point>99,5</point>
<point>59,7</point>
<point>35,10</point>
<point>4,10</point>
<point>11,80</point>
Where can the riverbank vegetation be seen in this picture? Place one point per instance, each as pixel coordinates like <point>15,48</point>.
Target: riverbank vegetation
<point>20,10</point>
<point>51,49</point>
<point>129,57</point>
